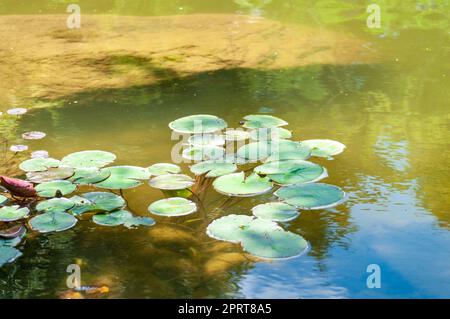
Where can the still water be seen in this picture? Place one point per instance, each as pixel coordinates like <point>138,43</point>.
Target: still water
<point>391,111</point>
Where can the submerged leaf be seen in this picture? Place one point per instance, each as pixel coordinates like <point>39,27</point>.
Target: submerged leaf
<point>171,182</point>
<point>85,159</point>
<point>198,124</point>
<point>174,206</point>
<point>238,185</point>
<point>311,196</point>
<point>52,222</point>
<point>51,189</point>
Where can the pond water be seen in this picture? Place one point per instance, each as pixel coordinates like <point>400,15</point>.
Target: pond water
<point>392,114</point>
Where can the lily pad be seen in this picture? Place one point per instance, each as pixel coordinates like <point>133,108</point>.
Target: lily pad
<point>123,177</point>
<point>277,212</point>
<point>52,174</point>
<point>89,159</point>
<point>202,153</point>
<point>171,182</point>
<point>213,168</point>
<point>55,205</point>
<point>324,148</point>
<point>255,151</point>
<point>51,189</point>
<point>8,255</point>
<point>163,169</point>
<point>201,123</point>
<point>112,219</point>
<point>286,150</point>
<point>259,237</point>
<point>269,134</point>
<point>311,196</point>
<point>17,111</point>
<point>3,200</point>
<point>263,121</point>
<point>136,221</point>
<point>40,154</point>
<point>237,184</point>
<point>236,135</point>
<point>18,148</point>
<point>6,235</point>
<point>34,135</point>
<point>89,175</point>
<point>12,213</point>
<point>39,164</point>
<point>289,172</point>
<point>96,201</point>
<point>174,206</point>
<point>206,139</point>
<point>52,222</point>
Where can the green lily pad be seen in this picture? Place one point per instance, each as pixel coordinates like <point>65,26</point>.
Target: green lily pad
<point>123,177</point>
<point>236,135</point>
<point>269,134</point>
<point>3,200</point>
<point>12,213</point>
<point>263,121</point>
<point>55,205</point>
<point>287,150</point>
<point>50,189</point>
<point>206,140</point>
<point>52,174</point>
<point>96,201</point>
<point>52,222</point>
<point>201,123</point>
<point>89,175</point>
<point>213,168</point>
<point>8,255</point>
<point>255,151</point>
<point>171,182</point>
<point>112,219</point>
<point>136,221</point>
<point>174,206</point>
<point>289,172</point>
<point>163,169</point>
<point>39,164</point>
<point>237,184</point>
<point>85,159</point>
<point>311,196</point>
<point>259,237</point>
<point>277,212</point>
<point>324,148</point>
<point>203,153</point>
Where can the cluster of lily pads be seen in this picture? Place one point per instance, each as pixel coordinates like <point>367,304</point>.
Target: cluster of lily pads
<point>278,164</point>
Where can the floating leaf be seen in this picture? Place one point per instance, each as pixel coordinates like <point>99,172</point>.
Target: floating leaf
<point>174,206</point>
<point>171,182</point>
<point>11,233</point>
<point>324,148</point>
<point>12,213</point>
<point>40,154</point>
<point>51,189</point>
<point>18,148</point>
<point>289,172</point>
<point>277,212</point>
<point>96,201</point>
<point>39,164</point>
<point>236,135</point>
<point>259,237</point>
<point>3,200</point>
<point>163,169</point>
<point>89,175</point>
<point>55,205</point>
<point>198,124</point>
<point>89,159</point>
<point>311,196</point>
<point>17,111</point>
<point>136,221</point>
<point>269,134</point>
<point>286,150</point>
<point>263,121</point>
<point>206,139</point>
<point>8,255</point>
<point>202,153</point>
<point>112,219</point>
<point>255,151</point>
<point>52,174</point>
<point>34,135</point>
<point>238,185</point>
<point>123,177</point>
<point>213,168</point>
<point>52,222</point>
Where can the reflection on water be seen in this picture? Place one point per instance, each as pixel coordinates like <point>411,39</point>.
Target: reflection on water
<point>393,116</point>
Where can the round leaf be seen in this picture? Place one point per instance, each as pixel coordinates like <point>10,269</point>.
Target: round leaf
<point>96,201</point>
<point>277,212</point>
<point>263,121</point>
<point>163,169</point>
<point>50,189</point>
<point>39,164</point>
<point>89,159</point>
<point>112,219</point>
<point>206,139</point>
<point>55,205</point>
<point>269,134</point>
<point>52,174</point>
<point>52,222</point>
<point>8,255</point>
<point>286,150</point>
<point>289,172</point>
<point>12,213</point>
<point>34,135</point>
<point>236,135</point>
<point>123,177</point>
<point>174,206</point>
<point>171,182</point>
<point>202,153</point>
<point>213,168</point>
<point>324,148</point>
<point>238,185</point>
<point>198,124</point>
<point>89,175</point>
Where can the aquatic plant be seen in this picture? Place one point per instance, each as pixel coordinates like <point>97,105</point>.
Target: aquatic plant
<point>52,197</point>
